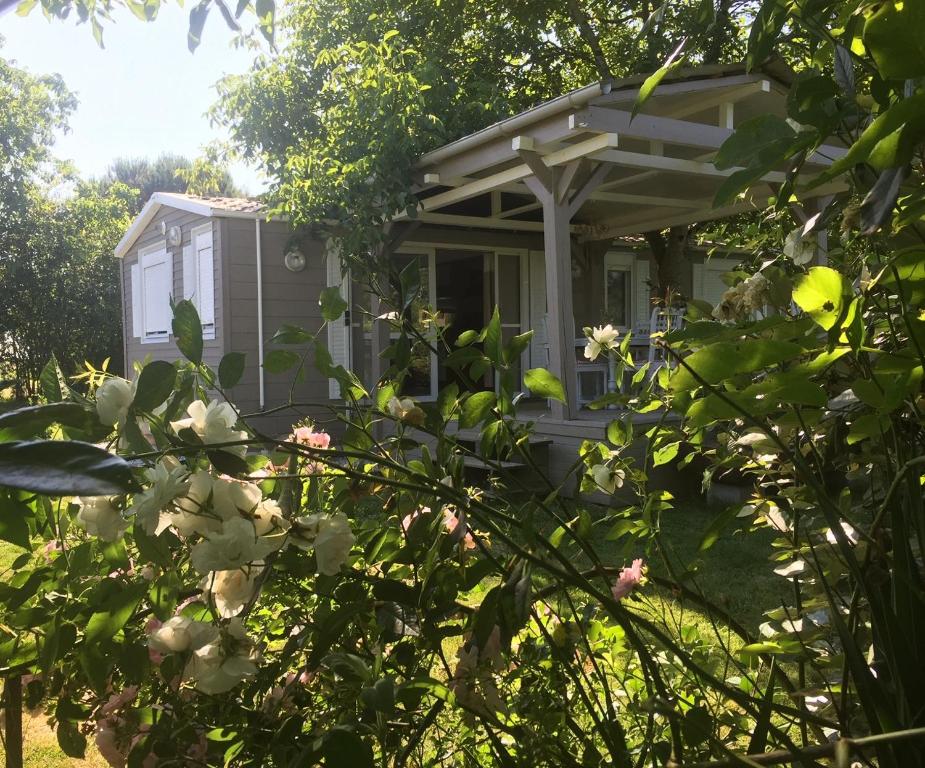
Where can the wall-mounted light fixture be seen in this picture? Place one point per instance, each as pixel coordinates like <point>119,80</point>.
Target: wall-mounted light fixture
<point>174,236</point>
<point>295,261</point>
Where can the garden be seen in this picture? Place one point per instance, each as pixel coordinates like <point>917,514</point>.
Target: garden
<point>182,589</point>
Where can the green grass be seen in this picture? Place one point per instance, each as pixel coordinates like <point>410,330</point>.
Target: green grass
<point>734,573</point>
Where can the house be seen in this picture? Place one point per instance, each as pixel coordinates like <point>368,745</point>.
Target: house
<point>530,214</point>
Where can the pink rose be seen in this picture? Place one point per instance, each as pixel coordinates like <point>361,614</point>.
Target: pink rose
<point>628,580</point>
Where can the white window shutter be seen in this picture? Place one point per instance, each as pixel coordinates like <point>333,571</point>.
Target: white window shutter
<point>157,286</point>
<point>135,293</point>
<point>206,272</point>
<point>643,302</point>
<point>539,354</point>
<point>190,271</point>
<point>338,330</point>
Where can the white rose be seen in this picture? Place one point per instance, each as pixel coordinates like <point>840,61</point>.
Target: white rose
<point>113,399</point>
<point>405,409</point>
<point>219,665</point>
<point>166,485</point>
<point>600,341</point>
<point>236,544</point>
<point>268,518</point>
<point>230,591</point>
<point>231,497</point>
<point>98,517</point>
<point>192,512</point>
<point>179,633</point>
<point>332,539</point>
<point>607,479</point>
<point>213,424</point>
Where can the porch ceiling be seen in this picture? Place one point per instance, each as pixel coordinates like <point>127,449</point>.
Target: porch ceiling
<point>617,174</point>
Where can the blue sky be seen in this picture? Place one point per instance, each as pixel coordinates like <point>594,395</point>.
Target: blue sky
<point>141,95</point>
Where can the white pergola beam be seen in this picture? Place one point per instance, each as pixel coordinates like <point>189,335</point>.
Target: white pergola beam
<point>674,165</point>
<point>667,130</point>
<point>518,172</point>
<point>488,222</point>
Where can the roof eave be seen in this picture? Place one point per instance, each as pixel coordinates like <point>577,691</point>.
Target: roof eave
<point>160,199</point>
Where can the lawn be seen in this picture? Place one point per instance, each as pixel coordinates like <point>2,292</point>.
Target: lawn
<point>734,573</point>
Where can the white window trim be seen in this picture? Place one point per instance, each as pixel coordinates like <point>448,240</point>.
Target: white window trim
<point>208,329</point>
<point>143,253</point>
<point>626,262</point>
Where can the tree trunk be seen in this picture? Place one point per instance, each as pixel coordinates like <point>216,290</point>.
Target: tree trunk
<point>668,259</point>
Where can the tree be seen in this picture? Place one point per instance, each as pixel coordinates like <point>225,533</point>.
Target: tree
<point>59,289</point>
<point>170,173</point>
<point>59,283</point>
<point>362,88</point>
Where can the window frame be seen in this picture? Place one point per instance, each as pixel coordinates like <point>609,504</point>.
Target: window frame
<point>623,262</point>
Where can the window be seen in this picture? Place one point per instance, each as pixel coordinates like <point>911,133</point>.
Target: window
<point>152,286</point>
<point>618,290</point>
<point>199,277</point>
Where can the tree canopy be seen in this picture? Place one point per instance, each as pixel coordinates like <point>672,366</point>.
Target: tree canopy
<point>170,173</point>
<point>361,88</point>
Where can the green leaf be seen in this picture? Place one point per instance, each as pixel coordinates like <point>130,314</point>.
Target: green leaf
<point>197,20</point>
<point>344,747</point>
<point>332,303</point>
<point>291,334</point>
<point>665,454</point>
<point>475,409</point>
<point>697,726</point>
<point>52,381</point>
<point>33,420</point>
<point>103,624</point>
<point>280,361</point>
<point>765,29</point>
<point>620,432</point>
<point>231,369</point>
<point>764,134</point>
<point>187,330</point>
<point>155,384</point>
<point>266,15</point>
<point>724,359</point>
<point>648,87</point>
<point>910,110</point>
<point>542,383</point>
<point>895,36</point>
<point>821,294</point>
<point>72,742</point>
<point>493,345</point>
<point>14,525</point>
<point>64,468</point>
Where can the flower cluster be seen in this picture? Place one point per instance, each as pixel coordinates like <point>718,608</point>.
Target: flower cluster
<point>747,297</point>
<point>231,530</point>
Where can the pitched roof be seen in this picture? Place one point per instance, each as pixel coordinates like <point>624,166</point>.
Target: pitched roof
<point>219,207</point>
<point>218,204</point>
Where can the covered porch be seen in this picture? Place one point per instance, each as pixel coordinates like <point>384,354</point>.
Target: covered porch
<point>532,214</point>
<point>582,170</point>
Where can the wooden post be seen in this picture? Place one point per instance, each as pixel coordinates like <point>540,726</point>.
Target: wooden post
<point>12,719</point>
<point>560,318</point>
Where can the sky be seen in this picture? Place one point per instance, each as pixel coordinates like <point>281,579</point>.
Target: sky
<point>143,94</point>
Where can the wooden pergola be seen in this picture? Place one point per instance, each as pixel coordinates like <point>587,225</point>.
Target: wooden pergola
<point>582,167</point>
